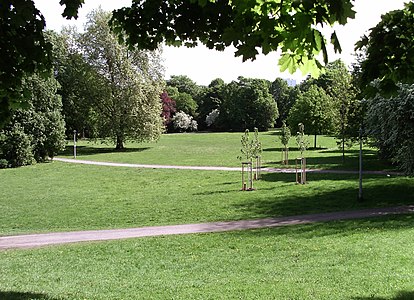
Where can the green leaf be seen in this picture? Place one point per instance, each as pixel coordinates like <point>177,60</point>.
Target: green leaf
<point>335,42</point>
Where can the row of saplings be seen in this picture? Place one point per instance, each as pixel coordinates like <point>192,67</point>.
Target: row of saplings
<point>251,150</point>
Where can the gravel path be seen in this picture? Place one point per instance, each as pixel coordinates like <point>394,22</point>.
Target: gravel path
<point>38,240</point>
<point>211,168</point>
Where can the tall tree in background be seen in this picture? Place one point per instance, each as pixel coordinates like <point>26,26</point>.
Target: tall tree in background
<point>281,92</point>
<point>315,110</point>
<point>337,83</point>
<point>247,103</point>
<point>270,25</point>
<point>128,106</point>
<point>78,81</point>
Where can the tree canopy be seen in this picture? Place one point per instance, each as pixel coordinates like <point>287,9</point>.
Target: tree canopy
<point>288,25</point>
<point>23,50</point>
<point>389,52</point>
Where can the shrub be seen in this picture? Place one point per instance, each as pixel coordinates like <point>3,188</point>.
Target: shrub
<point>183,122</point>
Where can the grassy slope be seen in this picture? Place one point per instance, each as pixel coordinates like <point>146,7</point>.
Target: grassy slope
<point>364,259</point>
<point>60,196</point>
<point>222,149</point>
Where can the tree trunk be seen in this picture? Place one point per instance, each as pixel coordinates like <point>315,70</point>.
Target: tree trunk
<point>119,143</point>
<point>314,145</point>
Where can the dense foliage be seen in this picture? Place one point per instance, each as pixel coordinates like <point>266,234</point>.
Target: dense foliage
<point>23,50</point>
<point>246,104</point>
<point>315,110</point>
<point>125,84</point>
<point>247,25</point>
<point>37,132</point>
<point>391,123</point>
<point>389,51</point>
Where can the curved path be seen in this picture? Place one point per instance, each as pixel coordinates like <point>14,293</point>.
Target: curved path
<point>211,168</point>
<point>38,240</point>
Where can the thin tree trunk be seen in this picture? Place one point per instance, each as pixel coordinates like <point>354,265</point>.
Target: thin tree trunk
<point>314,146</point>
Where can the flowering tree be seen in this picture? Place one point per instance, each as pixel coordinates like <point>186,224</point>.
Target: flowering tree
<point>184,122</point>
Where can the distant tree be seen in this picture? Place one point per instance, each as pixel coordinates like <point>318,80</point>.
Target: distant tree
<point>184,84</point>
<point>168,108</point>
<point>128,106</point>
<point>281,92</point>
<point>79,82</point>
<point>337,83</point>
<point>247,104</point>
<point>316,110</point>
<point>210,99</point>
<point>184,102</point>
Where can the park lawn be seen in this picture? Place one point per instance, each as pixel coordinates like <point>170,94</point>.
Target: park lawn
<point>223,149</point>
<point>358,259</point>
<point>61,197</point>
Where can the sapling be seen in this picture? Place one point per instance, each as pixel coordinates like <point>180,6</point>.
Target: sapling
<point>284,138</point>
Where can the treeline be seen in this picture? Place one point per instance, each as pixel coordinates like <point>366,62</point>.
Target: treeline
<point>326,105</point>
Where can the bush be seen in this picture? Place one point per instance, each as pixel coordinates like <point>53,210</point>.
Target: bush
<point>212,117</point>
<point>183,122</point>
<point>15,147</point>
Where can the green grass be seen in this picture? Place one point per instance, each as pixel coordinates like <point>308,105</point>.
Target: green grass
<point>361,259</point>
<point>222,149</point>
<point>60,196</point>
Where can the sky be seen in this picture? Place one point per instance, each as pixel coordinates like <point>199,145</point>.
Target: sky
<point>203,65</point>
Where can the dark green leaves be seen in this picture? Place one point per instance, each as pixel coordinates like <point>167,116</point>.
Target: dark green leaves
<point>248,25</point>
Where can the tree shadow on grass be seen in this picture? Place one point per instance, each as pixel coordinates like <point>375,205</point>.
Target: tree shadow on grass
<point>404,295</point>
<point>25,296</point>
<point>86,150</point>
<point>320,198</point>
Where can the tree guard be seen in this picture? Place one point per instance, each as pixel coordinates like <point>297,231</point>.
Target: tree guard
<point>258,167</point>
<point>247,174</point>
<point>301,171</point>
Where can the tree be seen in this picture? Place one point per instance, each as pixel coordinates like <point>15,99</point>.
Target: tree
<point>185,103</point>
<point>389,52</point>
<point>391,123</point>
<point>210,100</point>
<point>247,25</point>
<point>288,25</point>
<point>128,106</point>
<point>37,132</point>
<point>168,108</point>
<point>184,85</point>
<point>78,82</point>
<point>336,80</point>
<point>315,110</point>
<point>247,104</point>
<point>285,135</point>
<point>23,50</point>
<point>281,92</point>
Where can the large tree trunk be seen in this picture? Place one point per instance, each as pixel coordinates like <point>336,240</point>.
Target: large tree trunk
<point>119,142</point>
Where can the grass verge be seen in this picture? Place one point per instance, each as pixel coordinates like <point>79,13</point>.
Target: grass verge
<point>62,197</point>
<point>360,259</point>
<point>222,149</point>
